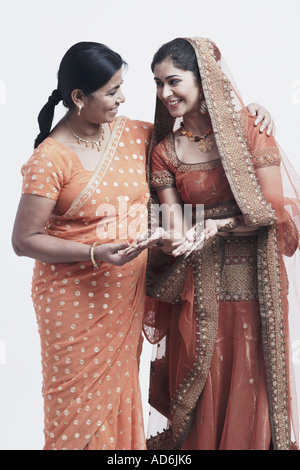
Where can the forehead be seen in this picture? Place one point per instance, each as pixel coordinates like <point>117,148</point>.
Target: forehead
<point>115,81</point>
<point>167,68</point>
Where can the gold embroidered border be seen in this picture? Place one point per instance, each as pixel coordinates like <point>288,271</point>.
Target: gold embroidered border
<point>266,157</point>
<point>230,138</point>
<point>224,209</point>
<point>162,180</point>
<point>206,280</point>
<point>275,354</point>
<point>187,167</point>
<point>239,269</point>
<point>263,157</point>
<point>168,286</point>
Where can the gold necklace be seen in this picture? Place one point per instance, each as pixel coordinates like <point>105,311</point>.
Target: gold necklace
<point>205,145</point>
<point>94,143</point>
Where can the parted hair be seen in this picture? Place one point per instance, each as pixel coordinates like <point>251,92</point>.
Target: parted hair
<point>182,54</point>
<point>86,66</point>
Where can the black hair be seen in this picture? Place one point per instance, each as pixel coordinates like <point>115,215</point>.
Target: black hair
<point>86,66</point>
<point>182,54</point>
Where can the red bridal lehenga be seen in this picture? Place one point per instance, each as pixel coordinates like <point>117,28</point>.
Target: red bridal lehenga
<point>225,320</point>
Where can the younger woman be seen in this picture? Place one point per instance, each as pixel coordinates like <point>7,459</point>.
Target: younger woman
<point>223,377</point>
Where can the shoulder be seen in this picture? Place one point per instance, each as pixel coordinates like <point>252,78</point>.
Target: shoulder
<point>255,138</point>
<point>263,148</point>
<point>163,164</point>
<point>138,127</point>
<point>166,143</point>
<point>54,150</point>
<point>163,156</point>
<point>165,150</point>
<point>50,157</point>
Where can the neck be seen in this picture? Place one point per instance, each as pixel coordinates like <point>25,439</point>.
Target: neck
<point>197,124</point>
<point>84,129</point>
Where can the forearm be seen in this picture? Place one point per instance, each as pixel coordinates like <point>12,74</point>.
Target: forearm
<point>49,249</point>
<point>233,225</point>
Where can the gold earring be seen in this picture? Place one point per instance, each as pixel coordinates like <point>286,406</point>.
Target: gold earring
<point>203,107</point>
<point>79,110</point>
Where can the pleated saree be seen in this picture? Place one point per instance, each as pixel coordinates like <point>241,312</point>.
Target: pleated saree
<point>90,320</point>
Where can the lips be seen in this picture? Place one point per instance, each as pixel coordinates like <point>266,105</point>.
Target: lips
<point>114,110</point>
<point>172,103</point>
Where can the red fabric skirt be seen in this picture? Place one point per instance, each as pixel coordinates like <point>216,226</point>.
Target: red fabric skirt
<point>232,412</point>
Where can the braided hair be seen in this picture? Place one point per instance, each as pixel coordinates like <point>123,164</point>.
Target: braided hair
<point>86,66</point>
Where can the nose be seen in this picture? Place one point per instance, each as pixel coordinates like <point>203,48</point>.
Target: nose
<point>120,98</point>
<point>166,92</point>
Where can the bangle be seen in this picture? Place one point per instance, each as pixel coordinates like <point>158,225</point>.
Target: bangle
<point>95,264</point>
<point>231,225</point>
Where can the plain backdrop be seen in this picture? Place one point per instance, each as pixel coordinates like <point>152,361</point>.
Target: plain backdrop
<point>260,40</point>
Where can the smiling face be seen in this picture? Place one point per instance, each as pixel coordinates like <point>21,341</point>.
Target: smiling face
<point>178,89</point>
<point>102,105</point>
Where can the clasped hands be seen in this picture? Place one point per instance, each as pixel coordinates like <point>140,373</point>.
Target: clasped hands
<point>172,243</point>
<point>176,244</point>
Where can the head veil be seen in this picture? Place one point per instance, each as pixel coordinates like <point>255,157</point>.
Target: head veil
<point>278,220</point>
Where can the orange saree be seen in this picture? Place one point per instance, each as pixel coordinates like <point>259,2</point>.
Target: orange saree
<point>90,320</point>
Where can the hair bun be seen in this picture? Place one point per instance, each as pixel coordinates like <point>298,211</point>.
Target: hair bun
<point>55,97</point>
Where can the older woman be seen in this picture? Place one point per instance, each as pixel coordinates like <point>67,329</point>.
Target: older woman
<point>88,296</point>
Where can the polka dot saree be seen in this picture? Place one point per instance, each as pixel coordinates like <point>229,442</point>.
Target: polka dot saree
<point>90,320</point>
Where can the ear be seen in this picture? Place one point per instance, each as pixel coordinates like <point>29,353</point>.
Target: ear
<point>78,97</point>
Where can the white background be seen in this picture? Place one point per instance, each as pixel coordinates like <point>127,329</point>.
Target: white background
<point>260,40</point>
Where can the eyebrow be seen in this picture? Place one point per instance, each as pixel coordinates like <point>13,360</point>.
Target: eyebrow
<point>167,78</point>
<point>115,87</point>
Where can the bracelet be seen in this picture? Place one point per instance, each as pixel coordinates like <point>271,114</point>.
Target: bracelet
<point>95,264</point>
<point>198,229</point>
<point>231,225</point>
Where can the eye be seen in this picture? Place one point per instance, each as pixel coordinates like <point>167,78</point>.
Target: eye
<point>159,84</point>
<point>174,82</point>
<point>113,91</point>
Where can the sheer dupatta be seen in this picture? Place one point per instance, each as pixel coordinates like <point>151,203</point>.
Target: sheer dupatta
<point>276,213</point>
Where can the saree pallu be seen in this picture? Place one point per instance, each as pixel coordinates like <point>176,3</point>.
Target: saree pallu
<point>90,320</point>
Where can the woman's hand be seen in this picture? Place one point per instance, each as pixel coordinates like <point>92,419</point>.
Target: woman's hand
<point>159,237</point>
<point>116,254</point>
<point>263,116</point>
<point>29,238</point>
<point>195,238</point>
<point>147,240</point>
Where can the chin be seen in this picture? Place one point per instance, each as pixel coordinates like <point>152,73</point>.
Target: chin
<point>175,113</point>
<point>110,119</point>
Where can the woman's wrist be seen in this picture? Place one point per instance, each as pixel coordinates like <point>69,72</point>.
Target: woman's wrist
<point>166,242</point>
<point>227,225</point>
<point>95,261</point>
